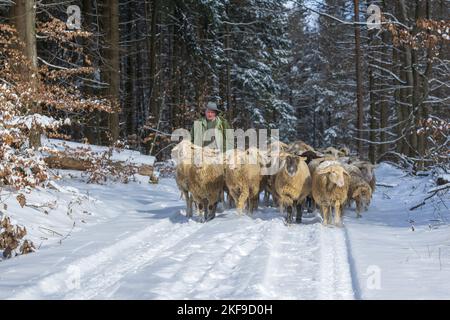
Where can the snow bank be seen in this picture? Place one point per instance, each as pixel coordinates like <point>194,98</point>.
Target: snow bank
<point>397,253</point>
<point>129,156</point>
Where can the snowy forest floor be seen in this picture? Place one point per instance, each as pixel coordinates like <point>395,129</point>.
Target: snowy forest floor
<point>133,241</point>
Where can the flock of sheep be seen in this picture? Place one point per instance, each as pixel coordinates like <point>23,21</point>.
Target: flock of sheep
<point>328,178</point>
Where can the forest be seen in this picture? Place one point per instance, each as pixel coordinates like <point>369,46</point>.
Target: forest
<point>134,71</point>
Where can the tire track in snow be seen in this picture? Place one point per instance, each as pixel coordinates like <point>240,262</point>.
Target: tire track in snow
<point>98,269</point>
<point>215,282</point>
<point>100,284</point>
<point>335,276</point>
<point>292,263</point>
<point>202,271</point>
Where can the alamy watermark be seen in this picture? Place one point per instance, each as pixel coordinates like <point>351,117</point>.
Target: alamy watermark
<point>215,147</point>
<point>74,17</point>
<point>374,20</point>
<point>373,274</point>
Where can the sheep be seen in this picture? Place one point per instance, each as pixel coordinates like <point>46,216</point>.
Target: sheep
<point>302,149</point>
<point>313,164</point>
<point>206,187</point>
<point>342,152</point>
<point>361,193</point>
<point>243,177</point>
<point>298,147</point>
<point>200,183</point>
<point>359,190</point>
<point>367,170</point>
<point>330,183</point>
<point>269,159</point>
<point>291,185</point>
<point>182,155</point>
<point>277,145</point>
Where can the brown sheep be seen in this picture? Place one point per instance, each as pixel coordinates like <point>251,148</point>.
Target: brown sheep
<point>298,147</point>
<point>278,146</point>
<point>269,159</point>
<point>200,182</point>
<point>206,187</point>
<point>367,170</point>
<point>359,190</point>
<point>361,193</point>
<point>243,177</point>
<point>312,165</point>
<point>182,154</point>
<point>330,183</point>
<point>291,185</point>
<point>342,152</point>
<point>316,162</point>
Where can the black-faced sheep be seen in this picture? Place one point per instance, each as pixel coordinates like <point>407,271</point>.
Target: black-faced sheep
<point>330,183</point>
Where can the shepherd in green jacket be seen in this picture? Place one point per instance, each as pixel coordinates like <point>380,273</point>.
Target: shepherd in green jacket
<point>211,120</point>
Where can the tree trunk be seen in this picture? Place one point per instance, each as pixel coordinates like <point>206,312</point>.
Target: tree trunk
<point>130,66</point>
<point>153,9</point>
<point>24,13</point>
<point>114,64</point>
<point>359,84</point>
<point>407,94</point>
<point>374,98</point>
<point>90,129</point>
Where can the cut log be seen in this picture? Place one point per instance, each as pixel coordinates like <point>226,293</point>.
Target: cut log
<point>145,170</point>
<point>68,163</point>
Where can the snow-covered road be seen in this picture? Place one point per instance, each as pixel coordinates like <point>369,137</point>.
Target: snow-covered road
<point>139,245</point>
<point>150,250</point>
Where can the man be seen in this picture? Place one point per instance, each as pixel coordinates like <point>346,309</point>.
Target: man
<point>212,120</point>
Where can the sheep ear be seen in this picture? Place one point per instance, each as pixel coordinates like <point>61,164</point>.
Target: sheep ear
<point>283,155</point>
<point>356,193</point>
<point>324,170</point>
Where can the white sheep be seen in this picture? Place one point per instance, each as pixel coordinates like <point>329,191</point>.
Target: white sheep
<point>330,183</point>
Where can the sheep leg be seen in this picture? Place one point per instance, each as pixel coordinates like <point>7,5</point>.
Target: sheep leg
<point>188,204</point>
<point>232,196</point>
<point>241,201</point>
<point>275,201</point>
<point>281,209</point>
<point>289,214</point>
<point>205,210</point>
<point>358,209</point>
<point>250,205</point>
<point>254,203</point>
<point>338,214</point>
<point>298,217</point>
<point>309,204</point>
<point>211,211</point>
<point>266,198</point>
<point>325,212</point>
<point>231,203</point>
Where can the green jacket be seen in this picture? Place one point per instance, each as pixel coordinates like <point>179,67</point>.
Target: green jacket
<point>201,126</point>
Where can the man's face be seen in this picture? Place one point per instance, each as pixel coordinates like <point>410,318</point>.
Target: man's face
<point>210,115</point>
